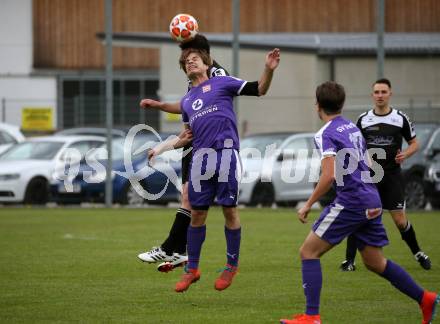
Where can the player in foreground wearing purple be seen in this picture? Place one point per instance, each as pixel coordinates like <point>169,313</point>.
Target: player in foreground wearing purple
<point>215,167</point>
<point>172,252</point>
<point>356,210</point>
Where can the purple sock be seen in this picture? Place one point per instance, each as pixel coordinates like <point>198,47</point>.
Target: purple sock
<point>312,283</point>
<point>233,238</point>
<point>195,237</point>
<point>400,279</point>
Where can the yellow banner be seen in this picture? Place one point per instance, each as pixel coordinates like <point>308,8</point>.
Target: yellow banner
<point>173,117</point>
<point>37,119</point>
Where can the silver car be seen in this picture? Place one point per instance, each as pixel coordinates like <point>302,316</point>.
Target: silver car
<point>27,168</point>
<point>278,168</point>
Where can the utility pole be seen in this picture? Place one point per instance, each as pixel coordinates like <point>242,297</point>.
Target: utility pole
<point>109,99</point>
<point>380,29</point>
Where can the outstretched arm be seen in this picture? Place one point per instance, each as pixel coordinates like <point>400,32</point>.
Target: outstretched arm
<point>169,107</point>
<point>272,62</point>
<point>172,143</point>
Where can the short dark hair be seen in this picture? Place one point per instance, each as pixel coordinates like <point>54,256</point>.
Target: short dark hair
<point>330,97</point>
<point>202,53</point>
<point>383,81</point>
<point>199,42</point>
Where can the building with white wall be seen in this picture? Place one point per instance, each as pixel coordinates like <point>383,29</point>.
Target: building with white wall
<point>308,59</point>
<point>20,87</point>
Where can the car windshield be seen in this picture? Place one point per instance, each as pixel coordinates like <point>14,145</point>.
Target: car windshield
<point>148,141</point>
<point>260,142</point>
<point>118,148</point>
<point>32,150</point>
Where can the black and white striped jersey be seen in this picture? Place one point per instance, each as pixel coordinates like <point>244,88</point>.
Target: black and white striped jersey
<point>386,132</point>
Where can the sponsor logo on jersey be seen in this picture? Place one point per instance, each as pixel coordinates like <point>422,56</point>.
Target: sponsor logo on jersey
<point>197,104</point>
<point>380,140</point>
<point>372,128</point>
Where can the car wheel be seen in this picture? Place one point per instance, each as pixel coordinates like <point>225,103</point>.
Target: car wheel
<point>414,193</point>
<point>130,196</point>
<point>263,194</point>
<point>289,203</point>
<point>37,192</point>
<point>435,204</point>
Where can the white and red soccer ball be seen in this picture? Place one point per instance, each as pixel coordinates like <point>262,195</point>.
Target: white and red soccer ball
<point>183,27</point>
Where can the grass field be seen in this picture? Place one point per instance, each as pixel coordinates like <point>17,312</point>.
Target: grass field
<point>80,265</point>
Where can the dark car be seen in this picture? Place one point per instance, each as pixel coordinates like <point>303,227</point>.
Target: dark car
<point>432,177</point>
<point>154,180</point>
<point>414,168</point>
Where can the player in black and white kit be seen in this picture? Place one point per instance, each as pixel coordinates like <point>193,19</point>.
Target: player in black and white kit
<point>172,252</point>
<point>384,128</point>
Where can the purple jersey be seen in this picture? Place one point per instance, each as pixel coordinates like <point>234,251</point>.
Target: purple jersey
<point>341,138</point>
<point>208,110</point>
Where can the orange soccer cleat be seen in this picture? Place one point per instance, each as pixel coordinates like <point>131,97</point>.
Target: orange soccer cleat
<point>189,277</point>
<point>302,319</point>
<point>225,279</point>
<point>428,306</point>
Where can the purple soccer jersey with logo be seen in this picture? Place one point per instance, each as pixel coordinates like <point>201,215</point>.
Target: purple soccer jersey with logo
<point>208,110</point>
<point>341,138</point>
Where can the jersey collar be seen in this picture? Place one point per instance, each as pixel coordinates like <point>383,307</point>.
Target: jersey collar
<point>374,113</point>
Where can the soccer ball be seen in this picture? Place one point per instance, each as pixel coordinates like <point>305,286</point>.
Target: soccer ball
<point>183,27</point>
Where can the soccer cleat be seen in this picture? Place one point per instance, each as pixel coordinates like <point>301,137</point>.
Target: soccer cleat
<point>428,306</point>
<point>423,259</point>
<point>189,277</point>
<point>347,266</point>
<point>154,255</point>
<point>225,279</point>
<point>302,319</point>
<point>178,260</point>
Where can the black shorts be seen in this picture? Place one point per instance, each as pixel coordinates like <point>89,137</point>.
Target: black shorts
<point>186,162</point>
<point>391,190</point>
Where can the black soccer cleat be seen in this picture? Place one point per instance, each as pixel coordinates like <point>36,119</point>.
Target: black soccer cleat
<point>347,266</point>
<point>423,259</point>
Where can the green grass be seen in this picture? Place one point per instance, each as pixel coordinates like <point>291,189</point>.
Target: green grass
<point>80,265</point>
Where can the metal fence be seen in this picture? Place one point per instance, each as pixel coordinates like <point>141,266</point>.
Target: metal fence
<point>417,114</point>
<point>90,111</point>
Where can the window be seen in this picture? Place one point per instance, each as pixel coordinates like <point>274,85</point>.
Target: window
<point>33,150</point>
<point>296,148</point>
<point>84,146</point>
<point>436,141</point>
<point>83,102</point>
<point>5,138</point>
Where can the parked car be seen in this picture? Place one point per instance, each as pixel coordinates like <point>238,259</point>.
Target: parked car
<point>9,135</point>
<point>414,168</point>
<point>428,135</point>
<point>27,168</point>
<point>84,190</point>
<point>264,178</point>
<point>95,131</point>
<point>432,175</point>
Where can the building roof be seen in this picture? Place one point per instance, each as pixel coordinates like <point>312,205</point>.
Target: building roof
<point>323,44</point>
